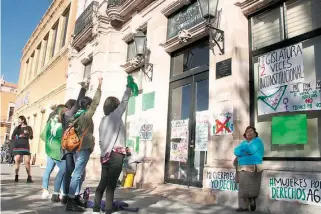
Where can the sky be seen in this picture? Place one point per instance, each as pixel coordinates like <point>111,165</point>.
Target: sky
<point>19,19</point>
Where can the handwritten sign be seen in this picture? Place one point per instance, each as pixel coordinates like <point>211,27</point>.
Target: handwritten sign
<point>221,180</point>
<point>222,119</point>
<point>146,132</point>
<point>179,129</point>
<point>303,96</point>
<point>281,83</point>
<point>299,189</point>
<point>201,138</point>
<point>179,151</point>
<point>186,18</point>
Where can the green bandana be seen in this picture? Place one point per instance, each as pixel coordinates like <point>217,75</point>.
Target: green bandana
<point>79,112</point>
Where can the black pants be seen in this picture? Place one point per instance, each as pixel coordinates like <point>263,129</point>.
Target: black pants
<point>70,166</point>
<point>110,172</point>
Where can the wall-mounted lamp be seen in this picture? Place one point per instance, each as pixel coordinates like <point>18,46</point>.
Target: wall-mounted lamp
<point>210,13</point>
<point>142,55</point>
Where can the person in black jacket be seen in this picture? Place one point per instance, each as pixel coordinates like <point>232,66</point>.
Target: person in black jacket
<point>21,148</point>
<point>70,157</point>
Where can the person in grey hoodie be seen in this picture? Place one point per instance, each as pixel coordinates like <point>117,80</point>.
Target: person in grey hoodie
<point>112,139</point>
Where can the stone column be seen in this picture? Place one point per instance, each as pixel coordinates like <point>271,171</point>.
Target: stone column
<point>49,46</point>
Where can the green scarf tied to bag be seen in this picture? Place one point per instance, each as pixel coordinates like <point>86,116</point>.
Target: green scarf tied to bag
<point>52,136</point>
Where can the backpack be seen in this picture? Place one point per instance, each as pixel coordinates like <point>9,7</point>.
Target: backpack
<point>70,139</point>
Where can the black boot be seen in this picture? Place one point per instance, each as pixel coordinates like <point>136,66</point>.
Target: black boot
<point>252,204</point>
<point>29,179</point>
<point>64,199</point>
<point>55,198</point>
<point>16,178</point>
<point>80,201</point>
<point>109,211</point>
<point>72,206</point>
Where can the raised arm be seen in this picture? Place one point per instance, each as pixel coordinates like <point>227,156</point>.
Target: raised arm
<point>94,104</point>
<point>119,111</point>
<point>75,108</point>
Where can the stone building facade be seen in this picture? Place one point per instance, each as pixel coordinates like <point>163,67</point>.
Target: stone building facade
<point>198,96</point>
<point>8,92</point>
<point>44,64</point>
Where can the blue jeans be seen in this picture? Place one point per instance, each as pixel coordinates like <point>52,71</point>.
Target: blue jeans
<point>51,163</point>
<point>80,166</point>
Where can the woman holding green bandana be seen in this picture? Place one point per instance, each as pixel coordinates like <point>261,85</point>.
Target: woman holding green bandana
<point>52,135</point>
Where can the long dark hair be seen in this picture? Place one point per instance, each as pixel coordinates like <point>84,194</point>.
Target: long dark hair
<point>111,103</point>
<point>70,103</point>
<point>57,111</point>
<point>85,102</point>
<point>24,120</point>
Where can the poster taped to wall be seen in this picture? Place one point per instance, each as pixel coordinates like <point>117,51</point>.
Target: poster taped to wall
<point>222,119</point>
<point>299,189</point>
<point>179,151</point>
<point>146,132</point>
<point>201,131</point>
<point>179,129</point>
<point>281,83</point>
<point>290,98</point>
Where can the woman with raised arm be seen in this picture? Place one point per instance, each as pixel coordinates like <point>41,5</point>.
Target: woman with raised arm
<point>112,140</point>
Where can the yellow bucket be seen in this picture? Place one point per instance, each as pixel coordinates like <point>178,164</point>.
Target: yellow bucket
<point>129,180</point>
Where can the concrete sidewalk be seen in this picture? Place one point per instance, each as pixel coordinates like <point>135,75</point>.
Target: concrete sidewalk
<point>25,198</point>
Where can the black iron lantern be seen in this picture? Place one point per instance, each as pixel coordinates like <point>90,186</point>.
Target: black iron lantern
<point>208,8</point>
<point>140,43</point>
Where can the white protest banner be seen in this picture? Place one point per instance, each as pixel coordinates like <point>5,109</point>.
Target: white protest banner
<point>222,119</point>
<point>221,180</point>
<point>146,132</point>
<point>179,151</point>
<point>281,67</point>
<point>179,129</point>
<point>201,128</point>
<point>299,189</point>
<point>289,98</point>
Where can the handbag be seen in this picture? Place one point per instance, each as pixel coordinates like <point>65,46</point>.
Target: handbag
<point>71,141</point>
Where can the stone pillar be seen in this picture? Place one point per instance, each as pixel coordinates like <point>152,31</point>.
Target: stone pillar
<point>49,46</point>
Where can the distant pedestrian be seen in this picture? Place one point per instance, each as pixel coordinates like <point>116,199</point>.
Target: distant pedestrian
<point>249,159</point>
<point>21,148</point>
<point>112,139</point>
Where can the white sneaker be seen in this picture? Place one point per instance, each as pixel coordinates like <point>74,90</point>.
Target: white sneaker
<point>96,212</point>
<point>45,194</point>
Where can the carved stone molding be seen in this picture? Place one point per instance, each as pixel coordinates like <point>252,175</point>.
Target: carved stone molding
<point>119,12</point>
<point>174,6</point>
<point>128,37</point>
<point>197,32</point>
<point>132,65</point>
<point>250,6</point>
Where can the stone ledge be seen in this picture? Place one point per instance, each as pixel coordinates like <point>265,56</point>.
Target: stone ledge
<point>174,6</point>
<point>197,32</point>
<point>248,7</point>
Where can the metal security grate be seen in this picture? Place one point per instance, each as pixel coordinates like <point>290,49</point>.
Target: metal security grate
<point>302,16</point>
<point>266,29</point>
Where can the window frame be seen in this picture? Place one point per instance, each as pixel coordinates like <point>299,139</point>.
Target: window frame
<point>85,66</point>
<point>253,53</point>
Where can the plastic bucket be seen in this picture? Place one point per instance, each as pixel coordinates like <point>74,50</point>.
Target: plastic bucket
<point>129,180</point>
